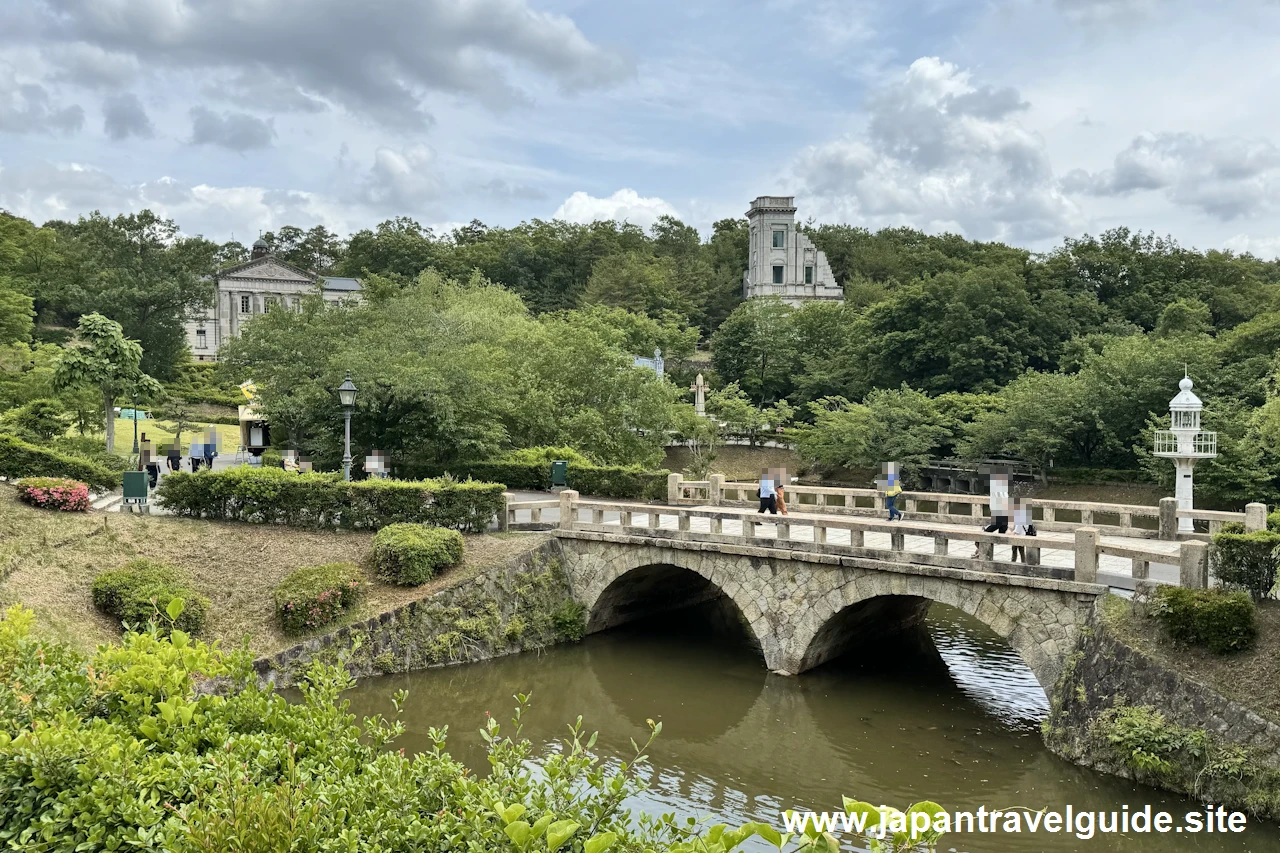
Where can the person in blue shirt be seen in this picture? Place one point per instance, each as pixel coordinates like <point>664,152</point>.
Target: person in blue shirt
<point>768,491</point>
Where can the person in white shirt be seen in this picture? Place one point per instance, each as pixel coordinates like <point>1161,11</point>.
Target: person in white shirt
<point>768,491</point>
<point>999,503</point>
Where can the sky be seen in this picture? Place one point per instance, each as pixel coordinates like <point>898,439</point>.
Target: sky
<point>1015,120</point>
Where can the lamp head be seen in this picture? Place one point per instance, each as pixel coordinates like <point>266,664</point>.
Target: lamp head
<point>347,392</point>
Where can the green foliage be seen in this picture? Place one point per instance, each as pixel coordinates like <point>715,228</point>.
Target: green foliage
<point>570,620</point>
<point>903,426</point>
<point>202,382</point>
<point>606,481</point>
<point>756,347</point>
<point>140,592</point>
<point>39,420</point>
<point>1246,561</point>
<point>1145,741</point>
<point>273,496</point>
<point>412,554</point>
<point>16,314</point>
<point>317,595</point>
<point>20,459</point>
<point>1215,619</point>
<point>545,456</point>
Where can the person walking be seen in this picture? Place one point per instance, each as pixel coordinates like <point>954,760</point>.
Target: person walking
<point>780,488</point>
<point>768,492</point>
<point>892,488</point>
<point>210,447</point>
<point>998,501</point>
<point>196,453</point>
<point>149,461</point>
<point>1022,526</point>
<point>174,456</point>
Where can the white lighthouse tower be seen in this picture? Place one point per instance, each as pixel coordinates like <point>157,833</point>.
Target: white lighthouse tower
<point>1185,444</point>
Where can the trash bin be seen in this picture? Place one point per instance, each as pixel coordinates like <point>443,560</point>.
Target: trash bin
<point>559,473</point>
<point>136,488</point>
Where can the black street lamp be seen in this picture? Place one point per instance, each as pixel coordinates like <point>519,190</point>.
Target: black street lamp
<point>347,394</point>
<point>136,453</point>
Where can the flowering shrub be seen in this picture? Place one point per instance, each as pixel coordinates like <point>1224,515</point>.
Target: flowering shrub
<point>317,595</point>
<point>54,493</point>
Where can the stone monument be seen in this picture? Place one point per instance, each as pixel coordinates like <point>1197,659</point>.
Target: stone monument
<point>699,389</point>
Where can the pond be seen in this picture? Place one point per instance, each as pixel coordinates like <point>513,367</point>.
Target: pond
<point>949,713</point>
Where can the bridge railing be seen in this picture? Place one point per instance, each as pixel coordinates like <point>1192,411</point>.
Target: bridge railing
<point>1138,520</point>
<point>510,519</point>
<point>1077,558</point>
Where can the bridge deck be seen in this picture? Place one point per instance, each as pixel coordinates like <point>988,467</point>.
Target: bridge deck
<point>1056,547</point>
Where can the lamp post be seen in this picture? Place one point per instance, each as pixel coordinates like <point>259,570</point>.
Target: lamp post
<point>136,453</point>
<point>347,394</point>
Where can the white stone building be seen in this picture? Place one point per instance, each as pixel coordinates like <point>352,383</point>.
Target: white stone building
<point>248,289</point>
<point>783,261</point>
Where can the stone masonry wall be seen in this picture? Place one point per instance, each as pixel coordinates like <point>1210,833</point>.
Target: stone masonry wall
<point>503,610</point>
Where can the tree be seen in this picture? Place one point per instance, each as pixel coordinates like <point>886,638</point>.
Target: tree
<point>42,419</point>
<point>1034,419</point>
<point>101,356</point>
<point>1184,317</point>
<point>16,315</point>
<point>901,425</point>
<point>637,283</point>
<point>742,418</point>
<point>755,347</point>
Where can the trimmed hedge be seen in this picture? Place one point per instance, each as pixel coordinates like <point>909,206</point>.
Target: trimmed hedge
<point>317,595</point>
<point>275,496</point>
<point>602,481</point>
<point>1215,619</point>
<point>412,554</point>
<point>134,593</point>
<point>1245,560</point>
<point>20,459</point>
<point>54,493</point>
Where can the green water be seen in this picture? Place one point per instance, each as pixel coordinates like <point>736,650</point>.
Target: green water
<point>951,714</point>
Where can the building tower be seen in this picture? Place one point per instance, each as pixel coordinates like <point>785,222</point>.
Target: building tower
<point>1185,444</point>
<point>261,248</point>
<point>782,261</point>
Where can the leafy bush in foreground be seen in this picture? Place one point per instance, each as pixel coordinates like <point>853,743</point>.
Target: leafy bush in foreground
<point>412,554</point>
<point>141,589</point>
<point>1215,619</point>
<point>127,749</point>
<point>54,493</point>
<point>316,595</point>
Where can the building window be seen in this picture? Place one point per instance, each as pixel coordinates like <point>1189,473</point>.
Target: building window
<point>779,239</point>
<point>244,304</point>
<point>268,302</point>
<point>808,274</point>
<point>201,341</point>
<point>777,274</point>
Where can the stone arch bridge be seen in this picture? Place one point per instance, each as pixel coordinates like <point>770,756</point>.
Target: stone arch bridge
<point>803,608</point>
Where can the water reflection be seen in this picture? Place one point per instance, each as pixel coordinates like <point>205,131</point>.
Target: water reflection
<point>949,712</point>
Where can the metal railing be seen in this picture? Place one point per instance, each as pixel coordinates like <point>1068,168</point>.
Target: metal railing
<point>1185,443</point>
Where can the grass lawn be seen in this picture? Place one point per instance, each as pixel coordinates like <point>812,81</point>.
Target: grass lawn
<point>160,432</point>
<point>1251,678</point>
<point>48,561</point>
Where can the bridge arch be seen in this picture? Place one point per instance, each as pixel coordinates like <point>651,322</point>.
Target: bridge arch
<point>1041,625</point>
<point>608,583</point>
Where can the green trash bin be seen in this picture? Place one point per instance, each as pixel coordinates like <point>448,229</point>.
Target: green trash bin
<point>559,473</point>
<point>136,488</point>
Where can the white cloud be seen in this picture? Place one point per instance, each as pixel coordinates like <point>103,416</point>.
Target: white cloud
<point>29,108</point>
<point>625,205</point>
<point>1225,177</point>
<point>940,153</point>
<point>233,131</point>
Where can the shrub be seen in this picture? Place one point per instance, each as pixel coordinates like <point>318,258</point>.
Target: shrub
<point>1245,560</point>
<point>545,455</point>
<point>1219,620</point>
<point>93,449</point>
<point>316,595</point>
<point>20,459</point>
<point>570,620</point>
<point>411,554</point>
<point>54,493</point>
<point>275,496</point>
<point>41,419</point>
<point>135,592</point>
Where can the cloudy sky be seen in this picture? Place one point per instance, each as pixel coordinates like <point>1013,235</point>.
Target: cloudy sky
<point>1019,120</point>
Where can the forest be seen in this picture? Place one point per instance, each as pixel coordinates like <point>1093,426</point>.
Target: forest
<point>516,337</point>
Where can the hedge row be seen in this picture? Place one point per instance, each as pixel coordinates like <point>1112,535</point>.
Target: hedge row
<point>20,459</point>
<point>273,496</point>
<point>141,589</point>
<point>1215,619</point>
<point>316,595</point>
<point>1245,560</point>
<point>600,481</point>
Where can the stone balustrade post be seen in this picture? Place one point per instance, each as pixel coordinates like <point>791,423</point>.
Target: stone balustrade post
<point>597,516</point>
<point>939,545</point>
<point>1141,569</point>
<point>819,533</point>
<point>715,492</point>
<point>1169,518</point>
<point>1033,556</point>
<point>1086,517</point>
<point>673,488</point>
<point>782,531</point>
<point>568,509</point>
<point>535,515</point>
<point>504,517</point>
<point>856,538</point>
<point>624,519</point>
<point>1255,517</point>
<point>683,520</point>
<point>897,541</point>
<point>944,508</point>
<point>1086,569</point>
<point>1047,514</point>
<point>1193,565</point>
